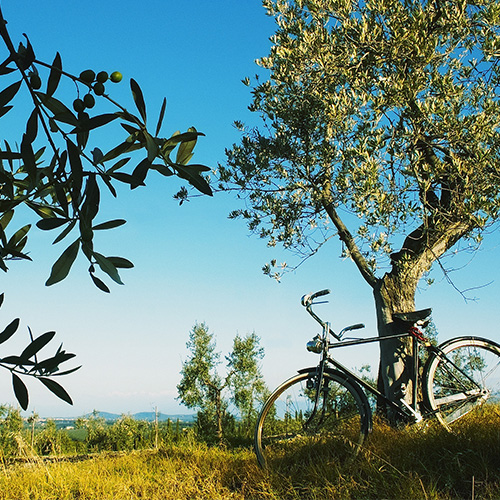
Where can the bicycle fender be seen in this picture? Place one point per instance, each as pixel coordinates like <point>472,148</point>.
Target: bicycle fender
<point>468,337</point>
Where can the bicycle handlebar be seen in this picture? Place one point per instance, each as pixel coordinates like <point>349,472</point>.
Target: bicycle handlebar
<point>307,302</point>
<point>307,299</point>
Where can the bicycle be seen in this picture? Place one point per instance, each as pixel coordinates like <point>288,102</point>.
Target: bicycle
<point>325,409</point>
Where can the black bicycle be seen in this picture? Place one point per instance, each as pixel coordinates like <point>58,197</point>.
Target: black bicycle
<point>325,409</point>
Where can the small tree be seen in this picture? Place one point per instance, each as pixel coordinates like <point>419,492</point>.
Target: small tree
<point>203,388</point>
<point>247,382</point>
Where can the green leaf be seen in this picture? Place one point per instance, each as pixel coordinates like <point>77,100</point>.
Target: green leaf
<point>63,264</point>
<point>6,218</point>
<point>110,224</point>
<point>9,331</point>
<point>125,115</point>
<point>51,223</point>
<point>119,164</point>
<point>138,98</point>
<point>26,55</point>
<point>151,147</point>
<point>37,345</point>
<point>66,372</point>
<point>20,391</point>
<point>194,178</point>
<point>29,161</point>
<point>185,136</point>
<point>162,115</point>
<point>140,172</point>
<point>4,67</point>
<point>17,361</point>
<point>185,151</point>
<point>4,110</point>
<point>100,284</point>
<point>32,126</point>
<point>55,75</point>
<point>65,232</point>
<point>162,169</point>
<point>126,178</point>
<point>90,206</point>
<point>116,151</point>
<point>9,93</point>
<point>49,365</point>
<point>56,389</point>
<point>107,181</point>
<point>18,236</point>
<point>108,267</point>
<point>94,122</point>
<point>60,111</point>
<point>120,262</point>
<point>76,168</point>
<point>131,130</point>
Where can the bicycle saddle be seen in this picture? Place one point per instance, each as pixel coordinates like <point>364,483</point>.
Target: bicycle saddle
<point>414,316</point>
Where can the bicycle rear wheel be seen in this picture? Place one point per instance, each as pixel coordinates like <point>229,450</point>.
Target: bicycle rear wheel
<point>461,377</point>
<point>289,431</point>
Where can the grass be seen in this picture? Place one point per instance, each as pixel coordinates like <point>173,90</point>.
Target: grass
<point>412,463</point>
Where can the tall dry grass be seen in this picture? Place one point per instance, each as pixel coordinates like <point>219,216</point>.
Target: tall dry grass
<point>411,463</point>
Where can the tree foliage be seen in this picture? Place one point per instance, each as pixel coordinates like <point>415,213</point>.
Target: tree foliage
<point>31,363</point>
<point>53,171</point>
<point>381,127</point>
<point>203,388</point>
<point>247,383</point>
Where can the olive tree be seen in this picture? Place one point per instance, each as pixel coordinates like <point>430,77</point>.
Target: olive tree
<point>247,383</point>
<point>202,387</point>
<point>380,128</point>
<point>55,173</point>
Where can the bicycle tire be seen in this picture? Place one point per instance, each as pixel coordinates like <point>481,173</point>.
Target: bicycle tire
<point>463,380</point>
<point>285,434</point>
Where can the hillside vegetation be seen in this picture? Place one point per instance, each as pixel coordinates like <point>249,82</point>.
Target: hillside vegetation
<point>410,463</point>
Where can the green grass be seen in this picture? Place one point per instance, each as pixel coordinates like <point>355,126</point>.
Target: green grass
<point>412,463</point>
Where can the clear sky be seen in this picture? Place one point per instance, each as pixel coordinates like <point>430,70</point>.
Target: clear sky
<point>192,263</point>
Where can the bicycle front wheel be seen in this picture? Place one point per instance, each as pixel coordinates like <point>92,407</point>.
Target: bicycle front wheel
<point>291,430</point>
<point>461,377</point>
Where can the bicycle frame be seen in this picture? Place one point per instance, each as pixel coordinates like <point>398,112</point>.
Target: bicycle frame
<point>403,408</point>
<point>413,332</point>
<point>406,410</point>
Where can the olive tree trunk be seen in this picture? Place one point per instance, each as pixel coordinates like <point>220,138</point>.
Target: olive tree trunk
<point>395,293</point>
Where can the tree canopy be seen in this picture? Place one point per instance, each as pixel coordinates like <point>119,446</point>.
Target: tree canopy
<point>202,386</point>
<point>380,127</point>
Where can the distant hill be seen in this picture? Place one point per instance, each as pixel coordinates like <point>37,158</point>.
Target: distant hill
<point>149,416</point>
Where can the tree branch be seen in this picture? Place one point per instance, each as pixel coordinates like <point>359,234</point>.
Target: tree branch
<point>351,245</point>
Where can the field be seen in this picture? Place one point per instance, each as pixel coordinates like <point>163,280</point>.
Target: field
<point>412,463</point>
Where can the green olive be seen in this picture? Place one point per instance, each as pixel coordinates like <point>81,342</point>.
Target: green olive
<point>35,81</point>
<point>87,76</point>
<point>99,88</point>
<point>102,77</point>
<point>78,105</point>
<point>89,101</point>
<point>116,77</point>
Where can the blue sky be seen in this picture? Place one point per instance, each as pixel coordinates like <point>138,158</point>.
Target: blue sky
<point>192,263</point>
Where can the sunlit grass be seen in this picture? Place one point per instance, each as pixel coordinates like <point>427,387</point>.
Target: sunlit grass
<point>412,463</point>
